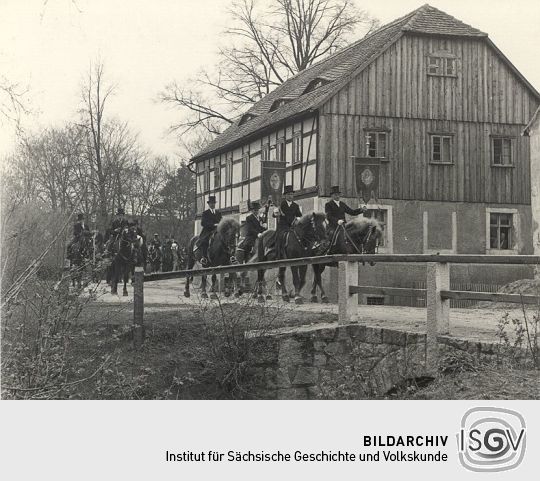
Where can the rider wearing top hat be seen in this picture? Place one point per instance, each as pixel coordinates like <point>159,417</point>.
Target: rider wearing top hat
<point>252,228</point>
<point>286,214</point>
<point>209,221</point>
<point>336,209</point>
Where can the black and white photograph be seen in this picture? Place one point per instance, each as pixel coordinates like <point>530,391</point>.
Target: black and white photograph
<point>333,204</point>
<point>281,199</point>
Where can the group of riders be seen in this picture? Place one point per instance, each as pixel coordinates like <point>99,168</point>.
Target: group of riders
<point>315,234</point>
<point>286,214</point>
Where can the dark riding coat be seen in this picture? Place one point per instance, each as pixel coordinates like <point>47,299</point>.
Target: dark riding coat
<point>335,213</point>
<point>250,230</point>
<point>287,215</point>
<point>208,224</point>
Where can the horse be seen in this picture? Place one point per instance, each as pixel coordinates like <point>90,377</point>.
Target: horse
<point>306,237</point>
<point>128,254</point>
<point>154,257</point>
<point>221,250</point>
<point>360,235</point>
<point>79,253</point>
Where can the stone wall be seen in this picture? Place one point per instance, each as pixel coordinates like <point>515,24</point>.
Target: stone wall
<point>310,362</point>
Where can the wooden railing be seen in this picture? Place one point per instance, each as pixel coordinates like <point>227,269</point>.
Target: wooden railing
<point>437,293</point>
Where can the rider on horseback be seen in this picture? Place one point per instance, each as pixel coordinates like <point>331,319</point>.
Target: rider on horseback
<point>250,230</point>
<point>335,211</point>
<point>287,214</point>
<point>80,229</point>
<point>209,221</point>
<point>118,224</point>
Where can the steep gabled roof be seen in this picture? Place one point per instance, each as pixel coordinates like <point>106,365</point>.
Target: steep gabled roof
<point>336,70</point>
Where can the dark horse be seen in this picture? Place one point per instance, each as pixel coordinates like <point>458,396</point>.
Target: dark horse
<point>154,258</point>
<point>127,255</point>
<point>306,238</point>
<point>221,250</point>
<point>358,236</point>
<point>79,255</point>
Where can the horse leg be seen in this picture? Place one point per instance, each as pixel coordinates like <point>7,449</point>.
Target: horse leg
<point>204,295</point>
<point>259,288</point>
<point>114,279</point>
<point>314,285</point>
<point>126,280</point>
<point>190,264</point>
<point>298,281</point>
<point>324,297</point>
<point>281,283</point>
<point>213,294</point>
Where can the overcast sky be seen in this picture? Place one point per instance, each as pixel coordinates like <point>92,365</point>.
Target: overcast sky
<point>48,45</point>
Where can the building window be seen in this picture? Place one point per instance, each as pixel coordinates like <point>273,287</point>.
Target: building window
<point>280,150</point>
<point>441,149</point>
<point>217,176</point>
<point>245,166</point>
<point>228,170</point>
<point>265,153</point>
<point>297,148</point>
<point>206,180</point>
<point>442,66</point>
<point>501,231</point>
<point>382,216</point>
<point>375,300</point>
<point>376,144</point>
<point>501,151</point>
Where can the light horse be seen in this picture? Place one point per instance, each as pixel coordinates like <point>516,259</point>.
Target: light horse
<point>221,250</point>
<point>128,255</point>
<point>360,235</point>
<point>306,238</point>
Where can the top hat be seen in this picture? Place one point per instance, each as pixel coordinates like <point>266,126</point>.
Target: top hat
<point>335,190</point>
<point>80,216</point>
<point>211,198</point>
<point>120,210</point>
<point>288,189</point>
<point>254,205</point>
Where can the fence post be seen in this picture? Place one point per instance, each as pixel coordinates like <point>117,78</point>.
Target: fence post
<point>138,307</point>
<point>438,310</point>
<point>347,303</point>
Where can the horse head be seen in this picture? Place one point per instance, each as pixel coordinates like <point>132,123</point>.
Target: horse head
<point>227,231</point>
<point>312,226</point>
<point>365,233</point>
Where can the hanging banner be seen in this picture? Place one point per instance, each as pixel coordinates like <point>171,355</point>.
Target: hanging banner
<point>272,181</point>
<point>366,173</point>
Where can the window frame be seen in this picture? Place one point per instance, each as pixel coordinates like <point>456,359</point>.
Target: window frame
<point>377,134</point>
<point>217,175</point>
<point>245,166</point>
<point>441,136</point>
<point>515,231</point>
<point>502,138</point>
<point>229,170</point>
<point>297,149</point>
<point>265,152</point>
<point>281,152</point>
<point>442,60</point>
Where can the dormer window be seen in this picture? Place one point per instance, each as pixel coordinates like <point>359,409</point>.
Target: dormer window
<point>279,103</point>
<point>315,84</point>
<point>246,118</point>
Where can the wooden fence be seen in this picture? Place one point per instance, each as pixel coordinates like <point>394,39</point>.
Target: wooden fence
<point>437,292</point>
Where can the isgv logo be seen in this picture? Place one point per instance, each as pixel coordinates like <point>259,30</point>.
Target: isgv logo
<point>491,439</point>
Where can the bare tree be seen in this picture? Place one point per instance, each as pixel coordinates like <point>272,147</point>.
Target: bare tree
<point>13,101</point>
<point>265,47</point>
<point>94,94</point>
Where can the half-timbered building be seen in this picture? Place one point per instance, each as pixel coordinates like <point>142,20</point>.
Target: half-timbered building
<point>441,107</point>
